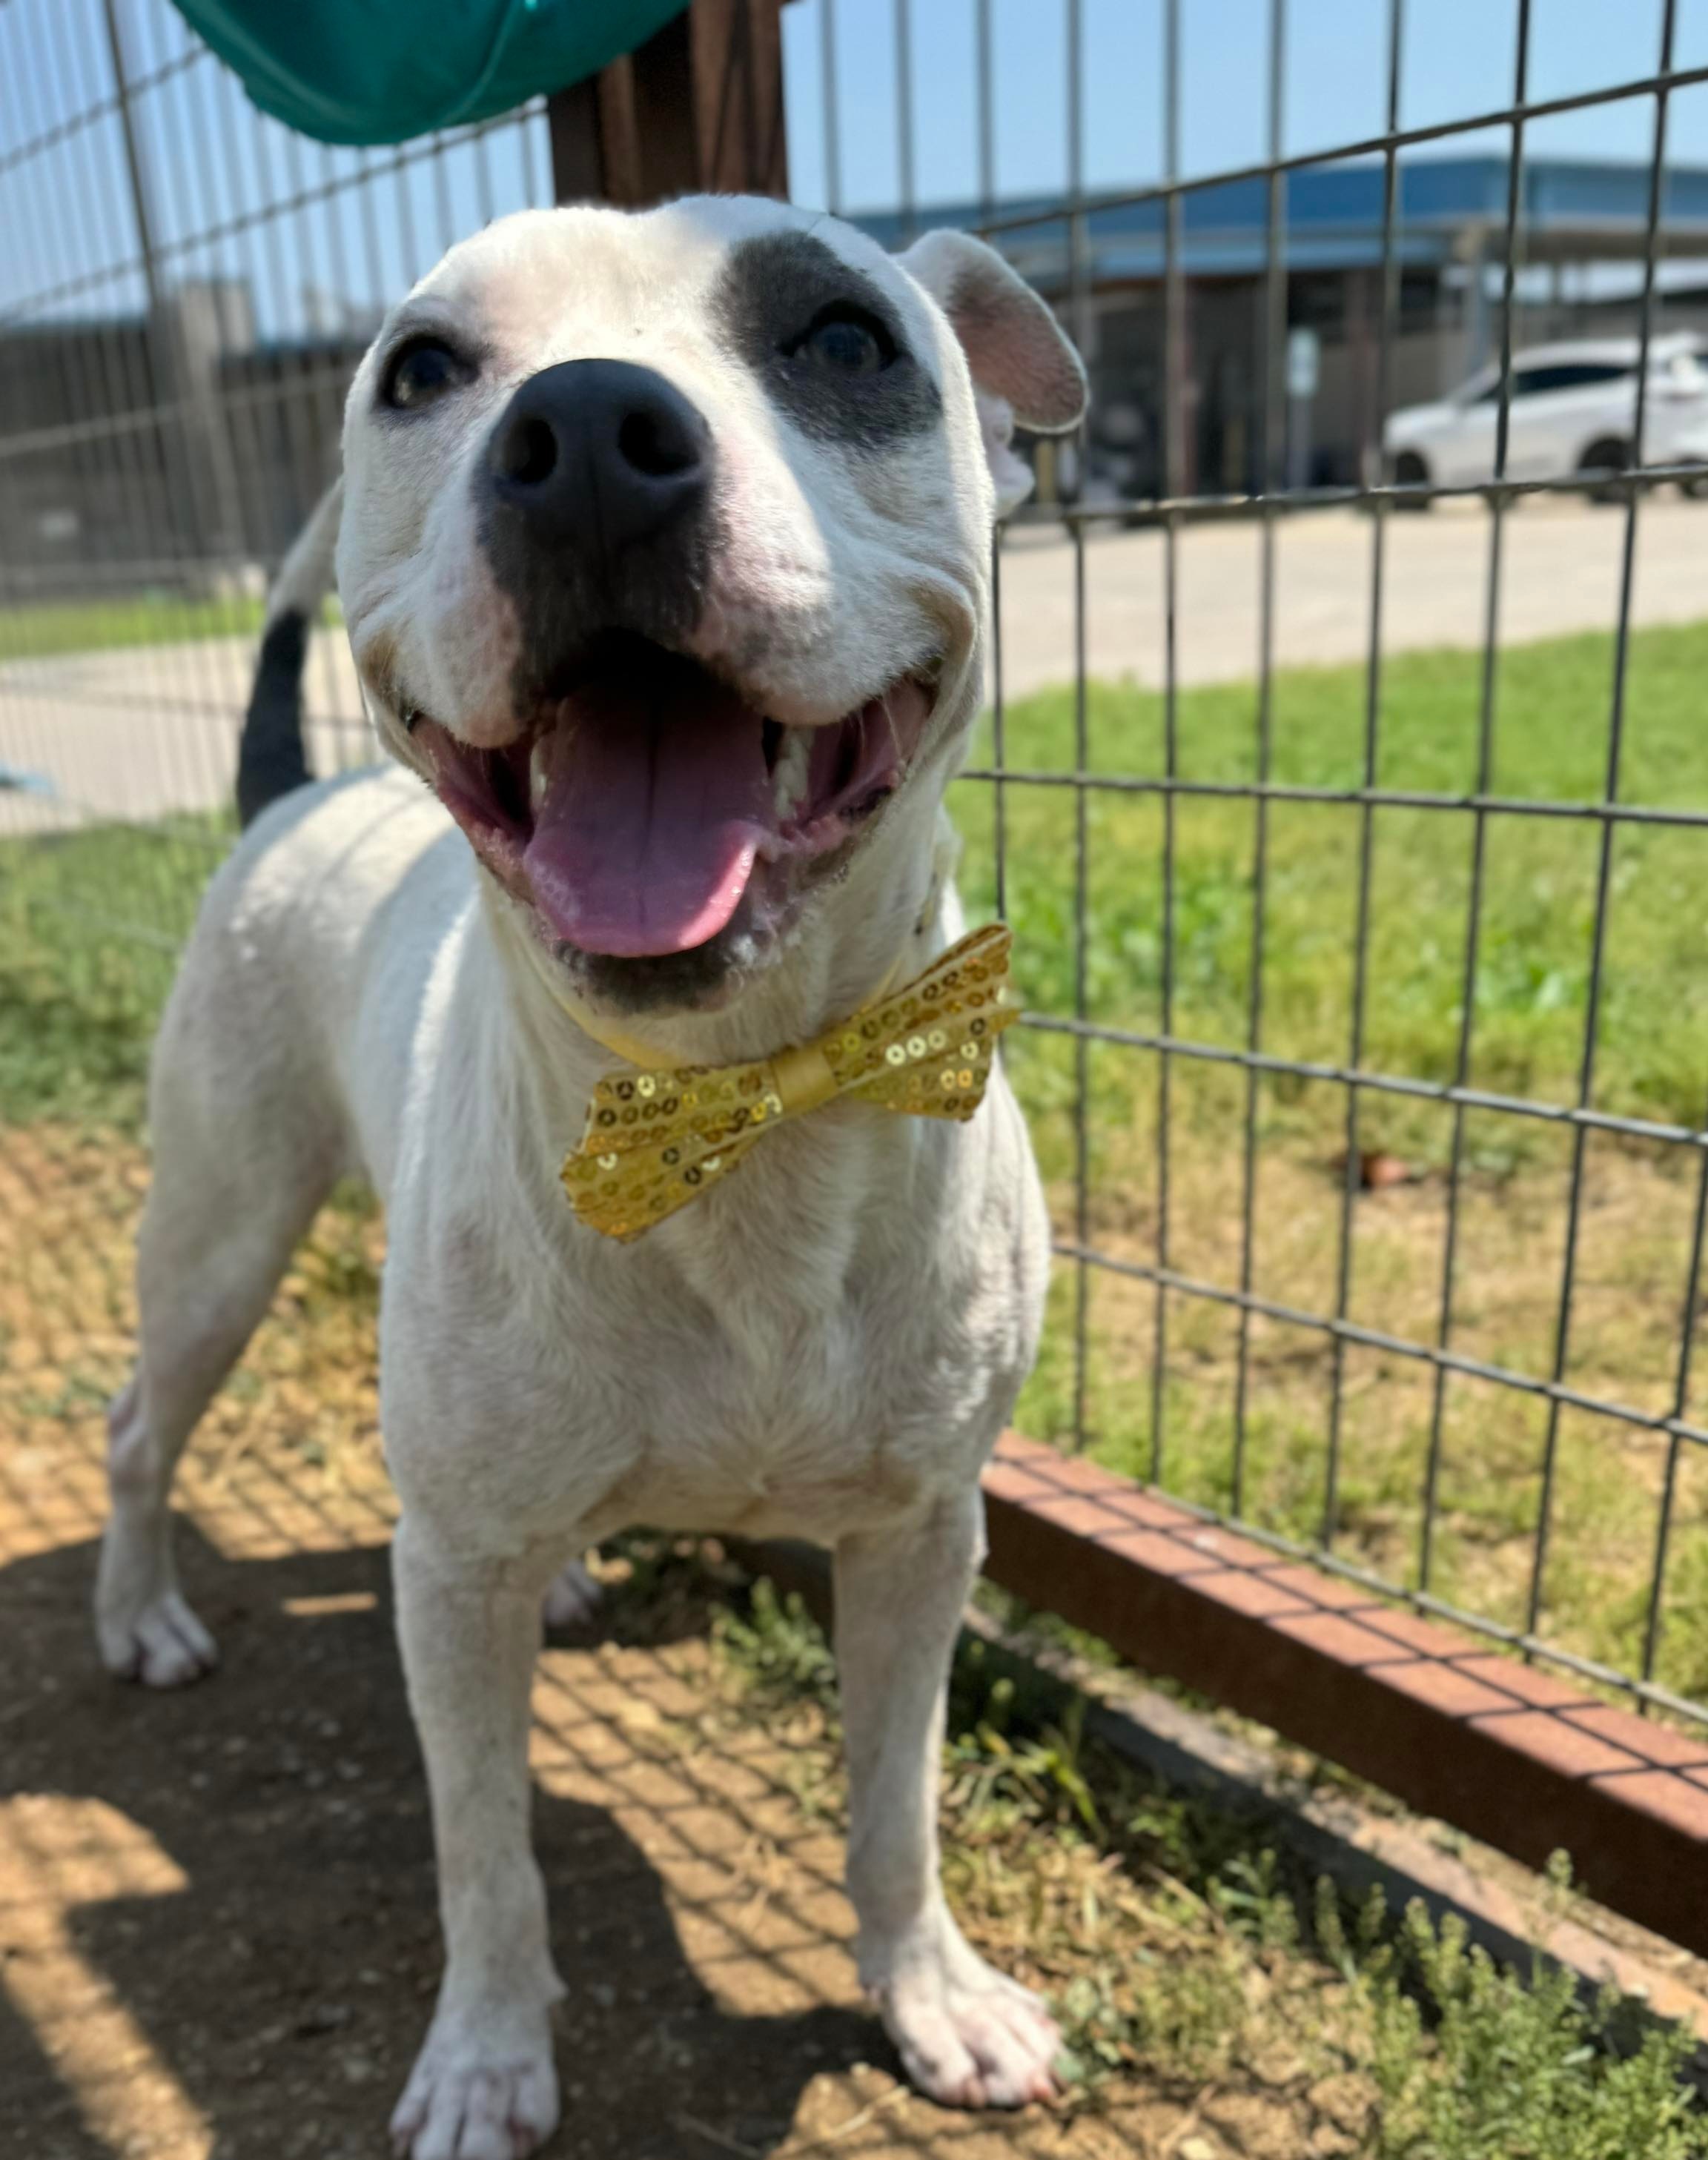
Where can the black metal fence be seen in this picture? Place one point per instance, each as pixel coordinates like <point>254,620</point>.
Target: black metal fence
<point>184,287</point>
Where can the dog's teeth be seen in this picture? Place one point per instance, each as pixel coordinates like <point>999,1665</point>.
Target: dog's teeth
<point>794,761</point>
<point>536,775</point>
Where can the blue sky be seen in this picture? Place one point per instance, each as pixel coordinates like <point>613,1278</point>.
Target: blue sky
<point>1457,60</point>
<point>214,164</point>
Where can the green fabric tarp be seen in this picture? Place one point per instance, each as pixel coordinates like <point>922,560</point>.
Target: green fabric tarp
<point>382,71</point>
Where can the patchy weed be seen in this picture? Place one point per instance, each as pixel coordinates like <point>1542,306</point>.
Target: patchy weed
<point>1184,1946</point>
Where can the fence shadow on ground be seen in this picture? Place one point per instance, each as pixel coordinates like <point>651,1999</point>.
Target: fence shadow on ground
<point>224,1900</point>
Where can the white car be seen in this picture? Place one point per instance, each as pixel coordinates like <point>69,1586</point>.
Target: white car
<point>1574,410</point>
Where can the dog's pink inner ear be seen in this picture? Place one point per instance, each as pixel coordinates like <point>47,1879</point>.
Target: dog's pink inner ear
<point>1014,347</point>
<point>1011,350</point>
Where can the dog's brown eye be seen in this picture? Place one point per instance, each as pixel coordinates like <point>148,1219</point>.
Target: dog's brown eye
<point>419,372</point>
<point>847,342</point>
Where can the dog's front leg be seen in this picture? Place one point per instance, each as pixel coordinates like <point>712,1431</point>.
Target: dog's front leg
<point>968,2037</point>
<point>484,2087</point>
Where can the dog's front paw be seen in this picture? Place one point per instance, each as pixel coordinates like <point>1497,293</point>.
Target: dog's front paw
<point>146,1630</point>
<point>969,2036</point>
<point>163,1645</point>
<point>483,2088</point>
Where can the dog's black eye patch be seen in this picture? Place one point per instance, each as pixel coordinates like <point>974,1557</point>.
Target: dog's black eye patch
<point>422,370</point>
<point>826,340</point>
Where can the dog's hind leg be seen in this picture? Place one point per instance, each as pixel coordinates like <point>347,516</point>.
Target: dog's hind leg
<point>225,1211</point>
<point>573,1596</point>
<point>968,2037</point>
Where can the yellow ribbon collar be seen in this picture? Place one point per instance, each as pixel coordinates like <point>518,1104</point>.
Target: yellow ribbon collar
<point>657,1139</point>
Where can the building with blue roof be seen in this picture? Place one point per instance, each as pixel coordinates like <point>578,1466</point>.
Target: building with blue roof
<point>1583,234</point>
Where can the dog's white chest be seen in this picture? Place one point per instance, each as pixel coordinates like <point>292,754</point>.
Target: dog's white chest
<point>794,1397</point>
<point>786,1357</point>
<point>802,1433</point>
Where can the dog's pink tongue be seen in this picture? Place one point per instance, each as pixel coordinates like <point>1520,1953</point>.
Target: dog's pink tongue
<point>644,837</point>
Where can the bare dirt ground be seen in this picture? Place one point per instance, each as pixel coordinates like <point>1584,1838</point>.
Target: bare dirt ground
<point>217,1938</point>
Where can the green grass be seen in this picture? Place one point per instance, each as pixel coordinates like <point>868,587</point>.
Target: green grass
<point>1552,711</point>
<point>78,999</point>
<point>89,925</point>
<point>88,921</point>
<point>1550,743</point>
<point>57,627</point>
<point>1457,2061</point>
<point>1553,702</point>
<point>1189,1949</point>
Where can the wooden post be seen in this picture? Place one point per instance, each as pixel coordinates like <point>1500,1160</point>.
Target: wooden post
<point>698,108</point>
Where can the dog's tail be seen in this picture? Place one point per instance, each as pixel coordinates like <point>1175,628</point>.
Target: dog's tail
<point>272,757</point>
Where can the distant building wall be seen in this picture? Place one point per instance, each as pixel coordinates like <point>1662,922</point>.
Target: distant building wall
<point>67,502</point>
<point>1224,419</point>
<point>175,456</point>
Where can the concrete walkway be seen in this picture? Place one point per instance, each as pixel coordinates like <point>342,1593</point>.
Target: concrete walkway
<point>1560,573</point>
<point>138,732</point>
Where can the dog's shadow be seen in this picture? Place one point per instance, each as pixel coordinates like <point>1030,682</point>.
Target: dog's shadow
<point>228,1891</point>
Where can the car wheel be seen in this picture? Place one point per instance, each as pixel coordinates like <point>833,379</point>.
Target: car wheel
<point>1696,487</point>
<point>1410,470</point>
<point>1609,454</point>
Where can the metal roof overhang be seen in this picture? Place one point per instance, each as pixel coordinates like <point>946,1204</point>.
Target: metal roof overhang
<point>1449,210</point>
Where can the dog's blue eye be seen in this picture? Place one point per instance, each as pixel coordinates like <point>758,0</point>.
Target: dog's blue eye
<point>846,344</point>
<point>420,372</point>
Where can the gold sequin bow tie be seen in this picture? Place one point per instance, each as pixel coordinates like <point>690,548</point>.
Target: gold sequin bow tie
<point>656,1140</point>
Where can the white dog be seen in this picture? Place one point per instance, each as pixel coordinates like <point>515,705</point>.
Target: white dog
<point>663,550</point>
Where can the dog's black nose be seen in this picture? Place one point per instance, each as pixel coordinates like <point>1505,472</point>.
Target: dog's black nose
<point>595,455</point>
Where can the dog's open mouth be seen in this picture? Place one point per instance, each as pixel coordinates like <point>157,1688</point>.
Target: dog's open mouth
<point>634,809</point>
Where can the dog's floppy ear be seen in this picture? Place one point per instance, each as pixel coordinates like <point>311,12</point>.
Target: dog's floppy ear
<point>1022,365</point>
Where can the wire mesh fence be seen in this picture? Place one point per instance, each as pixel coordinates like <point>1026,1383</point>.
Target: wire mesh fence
<point>1363,1050</point>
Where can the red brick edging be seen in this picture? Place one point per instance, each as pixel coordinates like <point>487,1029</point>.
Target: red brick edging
<point>1508,1753</point>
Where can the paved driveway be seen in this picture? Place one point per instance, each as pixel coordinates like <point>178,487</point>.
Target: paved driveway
<point>151,728</point>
